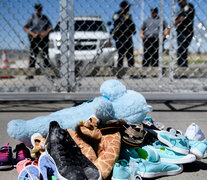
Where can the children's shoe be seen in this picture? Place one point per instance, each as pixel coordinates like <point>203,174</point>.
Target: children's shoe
<point>167,155</point>
<point>6,157</point>
<point>147,164</point>
<point>47,167</point>
<point>22,164</point>
<point>147,169</point>
<point>193,132</point>
<point>22,153</point>
<point>177,143</point>
<point>30,172</point>
<point>122,171</point>
<point>65,154</point>
<point>198,148</point>
<point>149,123</point>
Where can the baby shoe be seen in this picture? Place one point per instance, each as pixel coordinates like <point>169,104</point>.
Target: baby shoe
<point>176,142</point>
<point>22,164</point>
<point>6,157</point>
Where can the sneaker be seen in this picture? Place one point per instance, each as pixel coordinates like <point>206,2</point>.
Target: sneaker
<point>167,155</point>
<point>65,154</point>
<point>147,169</point>
<point>6,157</point>
<point>177,131</point>
<point>149,123</point>
<point>22,164</point>
<point>47,167</point>
<point>122,171</point>
<point>30,172</point>
<point>198,148</point>
<point>205,154</point>
<point>176,142</point>
<point>193,132</point>
<point>22,153</point>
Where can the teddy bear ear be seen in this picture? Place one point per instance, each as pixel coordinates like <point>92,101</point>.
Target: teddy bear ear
<point>112,89</point>
<point>103,109</point>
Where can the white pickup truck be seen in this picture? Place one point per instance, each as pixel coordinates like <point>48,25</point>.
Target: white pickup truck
<point>92,42</point>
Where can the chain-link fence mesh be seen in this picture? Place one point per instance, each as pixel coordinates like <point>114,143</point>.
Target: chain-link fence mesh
<point>93,41</point>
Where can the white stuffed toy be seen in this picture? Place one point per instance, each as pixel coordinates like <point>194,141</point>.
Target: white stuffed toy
<point>116,102</point>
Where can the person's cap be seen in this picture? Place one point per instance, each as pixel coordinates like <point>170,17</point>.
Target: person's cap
<point>154,10</point>
<point>38,6</point>
<point>124,4</point>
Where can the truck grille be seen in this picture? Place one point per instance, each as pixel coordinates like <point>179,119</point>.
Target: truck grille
<point>85,44</point>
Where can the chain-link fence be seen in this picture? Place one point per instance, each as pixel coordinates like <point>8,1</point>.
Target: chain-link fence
<point>148,45</point>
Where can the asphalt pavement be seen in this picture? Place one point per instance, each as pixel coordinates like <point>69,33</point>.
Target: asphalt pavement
<point>178,115</point>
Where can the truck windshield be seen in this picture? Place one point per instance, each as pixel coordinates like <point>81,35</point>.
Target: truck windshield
<point>87,25</point>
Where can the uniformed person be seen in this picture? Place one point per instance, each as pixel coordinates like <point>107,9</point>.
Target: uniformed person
<point>124,29</point>
<point>184,23</point>
<point>149,33</point>
<point>38,28</point>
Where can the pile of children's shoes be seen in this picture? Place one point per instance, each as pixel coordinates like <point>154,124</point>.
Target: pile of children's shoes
<point>61,156</point>
<point>163,157</point>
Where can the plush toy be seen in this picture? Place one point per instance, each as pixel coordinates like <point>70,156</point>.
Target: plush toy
<point>102,150</point>
<point>38,143</point>
<point>116,102</point>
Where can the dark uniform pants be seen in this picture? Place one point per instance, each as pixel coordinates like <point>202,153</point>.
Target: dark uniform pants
<point>151,50</point>
<point>36,45</point>
<point>183,41</point>
<point>125,48</point>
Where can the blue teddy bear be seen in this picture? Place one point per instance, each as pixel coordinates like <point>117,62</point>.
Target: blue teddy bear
<point>116,102</point>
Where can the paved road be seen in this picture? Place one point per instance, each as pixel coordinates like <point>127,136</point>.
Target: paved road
<point>186,114</point>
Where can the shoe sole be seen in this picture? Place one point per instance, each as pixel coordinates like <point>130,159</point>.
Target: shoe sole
<point>6,167</point>
<point>184,160</point>
<point>119,179</point>
<point>197,153</point>
<point>176,149</point>
<point>159,174</point>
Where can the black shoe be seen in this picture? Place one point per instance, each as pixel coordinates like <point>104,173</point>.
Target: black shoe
<point>30,77</point>
<point>69,160</point>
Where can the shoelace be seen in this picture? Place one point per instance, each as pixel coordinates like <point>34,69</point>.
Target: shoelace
<point>133,164</point>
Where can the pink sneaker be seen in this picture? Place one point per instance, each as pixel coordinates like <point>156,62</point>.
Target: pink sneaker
<point>6,157</point>
<point>22,153</point>
<point>22,164</point>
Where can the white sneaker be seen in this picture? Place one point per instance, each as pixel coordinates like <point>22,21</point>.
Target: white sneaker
<point>193,132</point>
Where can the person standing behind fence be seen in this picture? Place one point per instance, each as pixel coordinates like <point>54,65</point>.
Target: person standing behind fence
<point>149,33</point>
<point>184,23</point>
<point>38,28</point>
<point>124,29</point>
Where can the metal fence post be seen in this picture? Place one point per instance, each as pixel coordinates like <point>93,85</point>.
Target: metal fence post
<point>71,72</point>
<point>64,43</point>
<point>161,38</point>
<point>172,41</point>
<point>67,46</point>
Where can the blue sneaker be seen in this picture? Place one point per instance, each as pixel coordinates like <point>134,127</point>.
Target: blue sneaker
<point>177,143</point>
<point>148,153</point>
<point>147,169</point>
<point>30,172</point>
<point>166,154</point>
<point>121,170</point>
<point>198,148</point>
<point>47,167</point>
<point>147,164</point>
